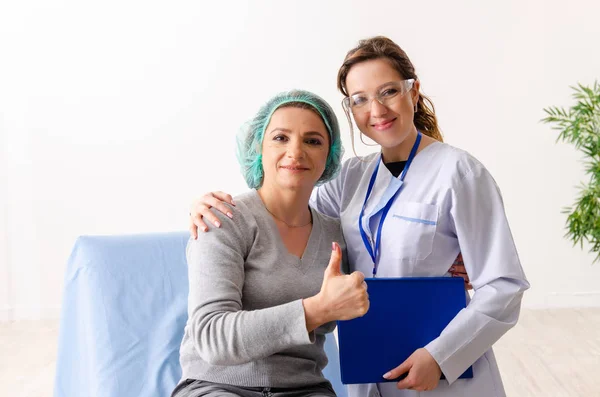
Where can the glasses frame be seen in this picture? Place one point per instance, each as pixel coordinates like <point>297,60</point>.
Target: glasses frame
<point>407,85</point>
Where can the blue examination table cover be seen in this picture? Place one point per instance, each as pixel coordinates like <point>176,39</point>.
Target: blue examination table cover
<point>122,318</point>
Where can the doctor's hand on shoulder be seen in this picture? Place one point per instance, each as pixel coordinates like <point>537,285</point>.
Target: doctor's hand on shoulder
<point>202,208</point>
<point>423,372</point>
<point>342,296</point>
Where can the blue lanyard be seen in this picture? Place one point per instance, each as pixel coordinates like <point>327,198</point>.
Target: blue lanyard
<point>374,251</point>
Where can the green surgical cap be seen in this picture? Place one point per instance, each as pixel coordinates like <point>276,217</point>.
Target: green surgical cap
<point>249,141</point>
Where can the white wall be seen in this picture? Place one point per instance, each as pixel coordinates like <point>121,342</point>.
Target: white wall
<point>5,294</point>
<point>117,113</point>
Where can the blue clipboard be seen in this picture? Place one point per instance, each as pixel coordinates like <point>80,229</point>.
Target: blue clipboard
<point>405,314</point>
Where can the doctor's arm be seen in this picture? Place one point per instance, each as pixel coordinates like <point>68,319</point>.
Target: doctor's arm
<point>495,271</point>
<point>203,210</point>
<point>325,198</point>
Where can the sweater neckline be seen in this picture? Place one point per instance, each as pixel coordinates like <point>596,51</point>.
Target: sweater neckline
<point>310,251</point>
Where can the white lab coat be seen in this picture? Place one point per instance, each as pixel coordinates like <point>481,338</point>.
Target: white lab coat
<point>449,204</point>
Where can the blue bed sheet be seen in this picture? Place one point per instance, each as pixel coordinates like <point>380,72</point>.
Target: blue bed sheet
<point>123,314</point>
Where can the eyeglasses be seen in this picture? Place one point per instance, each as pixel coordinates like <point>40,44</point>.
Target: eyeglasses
<point>387,95</point>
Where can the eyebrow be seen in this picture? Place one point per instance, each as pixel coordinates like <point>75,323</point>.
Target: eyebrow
<point>309,133</point>
<point>376,89</point>
<point>279,129</point>
<point>313,133</point>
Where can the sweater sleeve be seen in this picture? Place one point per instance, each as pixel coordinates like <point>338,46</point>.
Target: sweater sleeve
<point>495,271</point>
<point>222,332</point>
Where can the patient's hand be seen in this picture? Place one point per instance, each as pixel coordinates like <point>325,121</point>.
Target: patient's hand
<point>342,296</point>
<point>203,208</point>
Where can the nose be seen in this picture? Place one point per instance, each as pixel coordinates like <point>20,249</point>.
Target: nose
<point>295,149</point>
<point>377,109</point>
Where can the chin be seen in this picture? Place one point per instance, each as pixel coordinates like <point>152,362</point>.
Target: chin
<point>389,142</point>
<point>388,139</point>
<point>296,185</point>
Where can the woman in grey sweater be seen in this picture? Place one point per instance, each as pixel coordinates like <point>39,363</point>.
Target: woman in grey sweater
<point>266,287</point>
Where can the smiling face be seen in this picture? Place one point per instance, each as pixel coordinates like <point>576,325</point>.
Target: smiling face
<point>389,125</point>
<point>294,149</point>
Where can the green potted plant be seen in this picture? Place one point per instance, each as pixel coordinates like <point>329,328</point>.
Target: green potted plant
<point>580,126</point>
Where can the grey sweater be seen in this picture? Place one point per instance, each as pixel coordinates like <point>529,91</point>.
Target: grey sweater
<point>246,324</point>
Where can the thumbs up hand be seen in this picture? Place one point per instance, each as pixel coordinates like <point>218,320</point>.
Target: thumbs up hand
<point>342,297</point>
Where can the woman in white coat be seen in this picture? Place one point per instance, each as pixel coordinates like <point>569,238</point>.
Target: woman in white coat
<point>409,210</point>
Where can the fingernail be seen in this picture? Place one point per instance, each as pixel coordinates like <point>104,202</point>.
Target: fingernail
<point>333,246</point>
<point>230,215</point>
<point>387,375</point>
<point>232,202</point>
<point>217,224</point>
<point>205,229</point>
<point>452,269</point>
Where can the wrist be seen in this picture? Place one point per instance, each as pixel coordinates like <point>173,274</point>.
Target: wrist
<point>313,312</point>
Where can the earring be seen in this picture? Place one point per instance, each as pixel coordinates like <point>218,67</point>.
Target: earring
<point>416,104</point>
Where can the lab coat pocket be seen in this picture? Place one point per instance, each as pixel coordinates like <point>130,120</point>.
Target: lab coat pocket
<point>414,229</point>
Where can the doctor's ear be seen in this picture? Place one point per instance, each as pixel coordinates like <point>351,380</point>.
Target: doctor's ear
<point>417,85</point>
<point>414,94</point>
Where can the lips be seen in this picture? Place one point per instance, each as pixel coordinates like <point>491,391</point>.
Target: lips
<point>294,168</point>
<point>383,125</point>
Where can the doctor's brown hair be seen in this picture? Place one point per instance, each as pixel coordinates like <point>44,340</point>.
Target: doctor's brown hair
<point>381,47</point>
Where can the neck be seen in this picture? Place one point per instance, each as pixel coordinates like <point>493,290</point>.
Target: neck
<point>402,151</point>
<point>289,206</point>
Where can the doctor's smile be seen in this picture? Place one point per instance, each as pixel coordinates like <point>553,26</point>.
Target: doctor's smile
<point>384,125</point>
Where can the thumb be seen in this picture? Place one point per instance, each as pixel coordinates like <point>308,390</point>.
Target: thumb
<point>335,261</point>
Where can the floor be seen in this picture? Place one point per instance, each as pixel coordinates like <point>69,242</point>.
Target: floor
<point>28,358</point>
<point>550,353</point>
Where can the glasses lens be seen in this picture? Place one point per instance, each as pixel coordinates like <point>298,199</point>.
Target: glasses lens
<point>346,102</point>
<point>358,100</point>
<point>359,103</point>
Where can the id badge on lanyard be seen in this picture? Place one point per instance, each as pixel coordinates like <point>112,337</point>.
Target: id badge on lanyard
<point>374,249</point>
